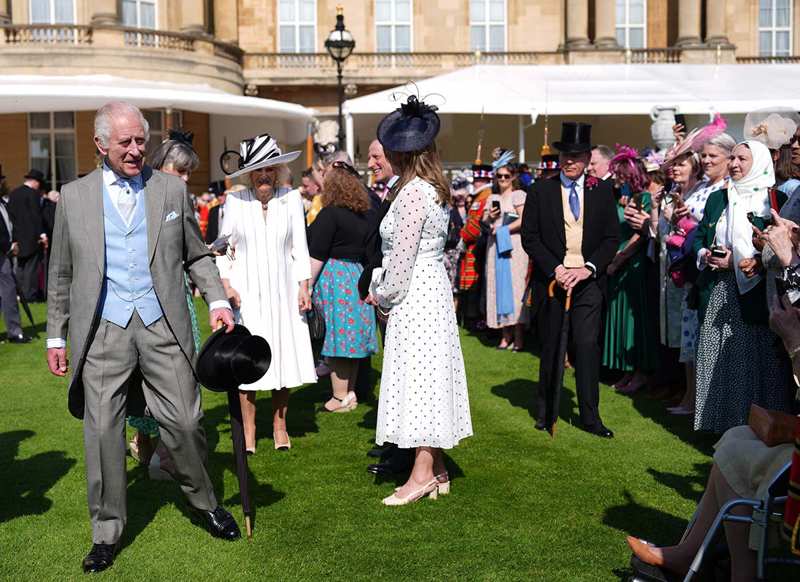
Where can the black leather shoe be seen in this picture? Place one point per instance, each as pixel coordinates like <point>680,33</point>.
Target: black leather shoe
<point>19,339</point>
<point>378,452</point>
<point>219,523</point>
<point>600,431</point>
<point>398,462</point>
<point>540,425</point>
<point>100,558</point>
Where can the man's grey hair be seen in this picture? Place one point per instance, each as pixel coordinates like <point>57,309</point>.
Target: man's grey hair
<point>604,151</point>
<point>724,142</point>
<point>104,119</point>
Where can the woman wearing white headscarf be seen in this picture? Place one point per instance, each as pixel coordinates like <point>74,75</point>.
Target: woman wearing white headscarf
<point>737,364</point>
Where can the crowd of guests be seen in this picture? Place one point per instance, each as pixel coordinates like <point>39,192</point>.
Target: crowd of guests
<point>648,262</point>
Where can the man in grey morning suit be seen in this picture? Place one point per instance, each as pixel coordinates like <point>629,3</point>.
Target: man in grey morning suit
<point>123,236</point>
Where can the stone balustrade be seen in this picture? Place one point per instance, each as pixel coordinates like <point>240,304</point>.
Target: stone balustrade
<point>95,49</point>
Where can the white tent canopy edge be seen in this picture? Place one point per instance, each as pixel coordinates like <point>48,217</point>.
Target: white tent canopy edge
<point>528,91</point>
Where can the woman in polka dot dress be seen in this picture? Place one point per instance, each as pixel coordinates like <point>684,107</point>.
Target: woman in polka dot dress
<point>423,398</point>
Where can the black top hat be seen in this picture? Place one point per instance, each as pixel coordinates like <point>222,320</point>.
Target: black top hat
<point>228,360</point>
<point>411,128</point>
<point>575,137</point>
<point>34,174</point>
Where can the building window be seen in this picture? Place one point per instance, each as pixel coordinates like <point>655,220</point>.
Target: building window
<point>775,28</point>
<point>156,118</point>
<point>52,11</point>
<point>393,26</point>
<point>487,23</point>
<point>52,146</point>
<point>632,23</point>
<point>297,22</point>
<point>139,13</point>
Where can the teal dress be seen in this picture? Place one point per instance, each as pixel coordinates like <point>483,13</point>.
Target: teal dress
<point>630,333</point>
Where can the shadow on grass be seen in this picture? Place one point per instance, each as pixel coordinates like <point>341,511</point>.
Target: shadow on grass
<point>27,481</point>
<point>648,523</point>
<point>689,487</point>
<point>680,426</point>
<point>521,393</point>
<point>146,497</point>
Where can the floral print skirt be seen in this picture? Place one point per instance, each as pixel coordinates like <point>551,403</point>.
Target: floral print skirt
<point>349,322</point>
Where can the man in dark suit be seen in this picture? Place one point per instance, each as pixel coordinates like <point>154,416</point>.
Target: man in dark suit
<point>8,288</point>
<point>571,232</point>
<point>25,208</point>
<point>215,211</point>
<point>392,459</point>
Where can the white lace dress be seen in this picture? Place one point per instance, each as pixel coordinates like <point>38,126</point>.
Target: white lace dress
<point>423,397</point>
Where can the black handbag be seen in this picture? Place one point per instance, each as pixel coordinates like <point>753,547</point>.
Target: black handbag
<point>316,323</point>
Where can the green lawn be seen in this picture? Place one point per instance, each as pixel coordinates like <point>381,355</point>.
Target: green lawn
<point>522,507</point>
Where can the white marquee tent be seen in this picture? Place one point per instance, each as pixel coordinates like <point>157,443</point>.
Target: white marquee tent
<point>528,91</point>
<point>232,117</point>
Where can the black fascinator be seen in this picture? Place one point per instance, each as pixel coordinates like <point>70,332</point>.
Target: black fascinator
<point>186,137</point>
<point>411,128</point>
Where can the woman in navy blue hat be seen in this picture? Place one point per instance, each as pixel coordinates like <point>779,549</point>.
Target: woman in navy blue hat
<point>423,398</point>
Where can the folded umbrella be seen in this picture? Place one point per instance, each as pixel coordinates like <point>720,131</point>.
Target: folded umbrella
<point>226,361</point>
<point>553,391</point>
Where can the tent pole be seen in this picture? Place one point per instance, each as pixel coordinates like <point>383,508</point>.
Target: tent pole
<point>351,147</point>
<point>521,138</point>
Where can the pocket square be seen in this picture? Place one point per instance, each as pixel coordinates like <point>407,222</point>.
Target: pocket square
<point>171,216</point>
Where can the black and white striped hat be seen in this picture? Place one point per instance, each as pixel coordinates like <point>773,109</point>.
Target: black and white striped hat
<point>255,153</point>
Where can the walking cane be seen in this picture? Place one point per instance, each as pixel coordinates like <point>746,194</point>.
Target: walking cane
<point>240,454</point>
<point>553,391</point>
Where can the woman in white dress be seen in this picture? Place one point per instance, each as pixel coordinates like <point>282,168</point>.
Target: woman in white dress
<point>266,274</point>
<point>423,398</point>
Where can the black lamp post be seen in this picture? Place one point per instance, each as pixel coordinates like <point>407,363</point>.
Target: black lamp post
<point>340,45</point>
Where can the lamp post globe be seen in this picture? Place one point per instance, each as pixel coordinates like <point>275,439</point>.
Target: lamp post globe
<point>340,45</point>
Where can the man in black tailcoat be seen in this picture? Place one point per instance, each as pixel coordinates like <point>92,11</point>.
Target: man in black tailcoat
<point>25,208</point>
<point>570,231</point>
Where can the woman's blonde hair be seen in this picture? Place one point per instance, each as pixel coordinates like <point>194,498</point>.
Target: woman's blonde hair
<point>424,164</point>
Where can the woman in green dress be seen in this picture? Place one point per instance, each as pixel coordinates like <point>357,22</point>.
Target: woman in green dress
<point>630,335</point>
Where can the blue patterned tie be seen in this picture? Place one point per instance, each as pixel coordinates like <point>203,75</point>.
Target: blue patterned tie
<point>574,202</point>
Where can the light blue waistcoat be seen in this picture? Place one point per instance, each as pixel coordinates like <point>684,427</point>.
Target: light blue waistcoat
<point>127,285</point>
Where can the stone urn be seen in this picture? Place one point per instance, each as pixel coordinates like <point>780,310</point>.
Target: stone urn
<point>661,129</point>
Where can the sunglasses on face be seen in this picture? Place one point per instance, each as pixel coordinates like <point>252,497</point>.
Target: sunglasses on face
<point>346,167</point>
<point>503,176</point>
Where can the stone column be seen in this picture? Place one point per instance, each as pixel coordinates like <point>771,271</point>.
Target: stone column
<point>5,17</point>
<point>193,17</point>
<point>226,20</point>
<point>104,12</point>
<point>688,23</point>
<point>716,33</point>
<point>577,24</point>
<point>605,19</point>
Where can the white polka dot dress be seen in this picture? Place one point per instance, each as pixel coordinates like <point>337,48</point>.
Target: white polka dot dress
<point>423,396</point>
